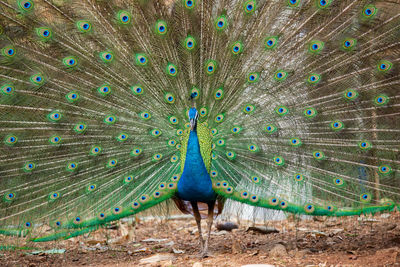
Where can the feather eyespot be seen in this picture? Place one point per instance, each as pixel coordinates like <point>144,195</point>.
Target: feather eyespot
<point>349,44</point>
<point>155,132</point>
<point>141,59</point>
<point>253,77</point>
<point>161,27</point>
<point>10,140</point>
<point>294,3</point>
<point>54,116</point>
<point>219,118</point>
<point>310,112</point>
<point>117,210</point>
<point>122,137</point>
<point>203,111</point>
<point>253,148</point>
<point>37,79</point>
<point>339,182</point>
<point>172,70</point>
<point>314,78</point>
<point>279,161</point>
<point>236,129</point>
<point>137,89</point>
<point>91,188</point>
<point>128,179</point>
<point>384,66</point>
<point>110,120</point>
<point>381,100</point>
<point>25,5</point>
<point>337,125</point>
<point>29,166</point>
<point>309,208</point>
<point>323,3</point>
<point>72,166</point>
<point>54,196</point>
<point>369,11</point>
<point>237,48</point>
<point>135,205</point>
<point>190,43</point>
<point>385,169</point>
<point>80,128</point>
<point>364,145</point>
<point>10,196</point>
<point>365,197</point>
<point>104,90</point>
<point>174,158</point>
<point>273,201</point>
<point>95,150</point>
<point>173,120</point>
<point>84,26</point>
<point>221,142</point>
<point>211,66</point>
<point>283,204</point>
<point>296,142</point>
<point>169,98</point>
<point>157,157</point>
<point>298,177</point>
<point>124,17</point>
<point>111,163</point>
<point>7,90</point>
<point>281,110</point>
<point>145,115</point>
<point>219,94</point>
<point>280,75</point>
<point>350,94</point>
<point>318,155</point>
<point>106,56</point>
<point>316,46</point>
<point>271,42</point>
<point>220,23</point>
<point>189,4</point>
<point>55,140</point>
<point>270,128</point>
<point>255,179</point>
<point>230,155</point>
<point>250,6</point>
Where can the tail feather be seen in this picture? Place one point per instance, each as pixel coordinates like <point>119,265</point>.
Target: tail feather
<point>300,97</point>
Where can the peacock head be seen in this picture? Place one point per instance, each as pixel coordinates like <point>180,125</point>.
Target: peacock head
<point>193,116</point>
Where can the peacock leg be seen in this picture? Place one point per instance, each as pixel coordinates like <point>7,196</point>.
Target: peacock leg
<point>197,217</point>
<point>209,225</point>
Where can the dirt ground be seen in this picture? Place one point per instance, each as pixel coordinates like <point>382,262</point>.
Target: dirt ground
<point>361,241</point>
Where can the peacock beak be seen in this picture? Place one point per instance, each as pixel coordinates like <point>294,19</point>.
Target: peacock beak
<point>192,124</point>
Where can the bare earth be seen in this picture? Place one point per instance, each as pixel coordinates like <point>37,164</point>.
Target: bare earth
<point>362,241</point>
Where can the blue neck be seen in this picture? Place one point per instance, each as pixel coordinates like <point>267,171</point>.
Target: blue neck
<point>195,183</point>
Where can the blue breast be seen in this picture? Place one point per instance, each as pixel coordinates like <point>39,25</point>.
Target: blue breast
<point>195,183</point>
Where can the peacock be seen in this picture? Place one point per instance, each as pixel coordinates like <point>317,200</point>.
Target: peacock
<point>111,107</point>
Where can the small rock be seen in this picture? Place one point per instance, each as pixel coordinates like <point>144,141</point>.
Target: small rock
<point>278,251</point>
<point>227,226</point>
<point>262,229</point>
<point>154,240</point>
<point>177,251</point>
<point>197,264</point>
<point>157,258</point>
